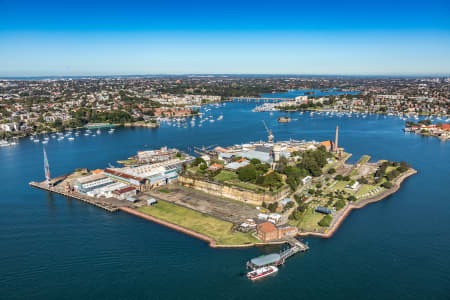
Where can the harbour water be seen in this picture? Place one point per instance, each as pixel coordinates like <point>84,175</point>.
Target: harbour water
<point>57,248</point>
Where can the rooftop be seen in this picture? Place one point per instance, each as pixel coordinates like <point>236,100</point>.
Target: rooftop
<point>266,259</point>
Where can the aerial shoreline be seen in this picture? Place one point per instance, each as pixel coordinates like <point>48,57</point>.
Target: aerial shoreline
<point>338,222</point>
<point>213,244</point>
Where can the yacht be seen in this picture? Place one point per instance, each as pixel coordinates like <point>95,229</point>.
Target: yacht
<point>4,143</point>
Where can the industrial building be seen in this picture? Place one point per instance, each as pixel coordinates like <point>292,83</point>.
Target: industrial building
<point>267,231</point>
<point>91,182</point>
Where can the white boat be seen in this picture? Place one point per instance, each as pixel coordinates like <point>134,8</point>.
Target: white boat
<point>220,118</point>
<point>71,138</point>
<point>36,141</point>
<point>98,131</point>
<point>4,143</point>
<point>261,272</point>
<point>60,138</point>
<point>44,142</point>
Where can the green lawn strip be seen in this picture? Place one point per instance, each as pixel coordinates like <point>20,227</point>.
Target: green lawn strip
<point>219,230</point>
<point>225,175</point>
<point>364,159</point>
<point>246,185</point>
<point>390,169</point>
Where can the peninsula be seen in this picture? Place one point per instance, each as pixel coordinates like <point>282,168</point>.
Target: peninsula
<point>243,195</point>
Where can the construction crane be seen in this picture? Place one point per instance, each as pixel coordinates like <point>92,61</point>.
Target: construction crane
<point>269,132</point>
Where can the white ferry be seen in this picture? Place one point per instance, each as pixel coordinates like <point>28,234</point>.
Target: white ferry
<point>262,272</point>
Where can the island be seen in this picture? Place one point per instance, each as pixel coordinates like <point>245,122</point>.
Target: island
<point>257,193</point>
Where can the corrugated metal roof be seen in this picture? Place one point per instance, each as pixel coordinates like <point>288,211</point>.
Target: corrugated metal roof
<point>266,259</point>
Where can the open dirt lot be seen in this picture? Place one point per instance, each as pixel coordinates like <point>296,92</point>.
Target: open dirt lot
<point>227,210</point>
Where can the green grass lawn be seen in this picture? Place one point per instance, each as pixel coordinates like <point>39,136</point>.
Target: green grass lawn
<point>390,169</point>
<point>166,191</point>
<point>340,185</point>
<point>225,175</point>
<point>310,220</point>
<point>219,230</point>
<point>365,159</point>
<point>365,188</point>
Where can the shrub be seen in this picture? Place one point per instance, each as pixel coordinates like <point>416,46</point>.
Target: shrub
<point>326,221</point>
<point>339,177</point>
<point>197,161</point>
<point>351,198</point>
<point>247,173</point>
<point>331,171</point>
<point>273,206</point>
<point>387,184</point>
<point>363,180</point>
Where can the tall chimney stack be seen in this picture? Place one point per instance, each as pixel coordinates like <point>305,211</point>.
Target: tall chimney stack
<point>336,140</point>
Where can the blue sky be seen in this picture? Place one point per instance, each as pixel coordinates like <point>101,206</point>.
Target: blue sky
<point>40,38</point>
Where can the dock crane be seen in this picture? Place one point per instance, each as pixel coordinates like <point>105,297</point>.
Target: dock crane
<point>269,132</point>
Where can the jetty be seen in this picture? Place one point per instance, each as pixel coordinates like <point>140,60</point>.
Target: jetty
<point>108,204</point>
<point>261,99</point>
<point>276,259</point>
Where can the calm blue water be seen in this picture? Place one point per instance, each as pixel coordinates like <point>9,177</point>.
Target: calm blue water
<point>311,93</point>
<point>54,248</point>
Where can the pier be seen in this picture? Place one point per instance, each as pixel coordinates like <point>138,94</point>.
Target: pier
<point>263,99</point>
<point>276,259</point>
<point>108,204</point>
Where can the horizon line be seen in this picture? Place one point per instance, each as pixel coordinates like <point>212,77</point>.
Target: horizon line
<point>409,75</point>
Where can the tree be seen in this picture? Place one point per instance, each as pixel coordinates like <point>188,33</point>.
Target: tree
<point>255,161</point>
<point>331,171</point>
<point>351,198</point>
<point>247,173</point>
<point>197,161</point>
<point>273,206</point>
<point>273,180</point>
<point>326,221</point>
<point>339,204</point>
<point>387,184</point>
<point>363,180</point>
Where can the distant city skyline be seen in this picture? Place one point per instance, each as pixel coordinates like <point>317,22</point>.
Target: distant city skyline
<point>49,38</point>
